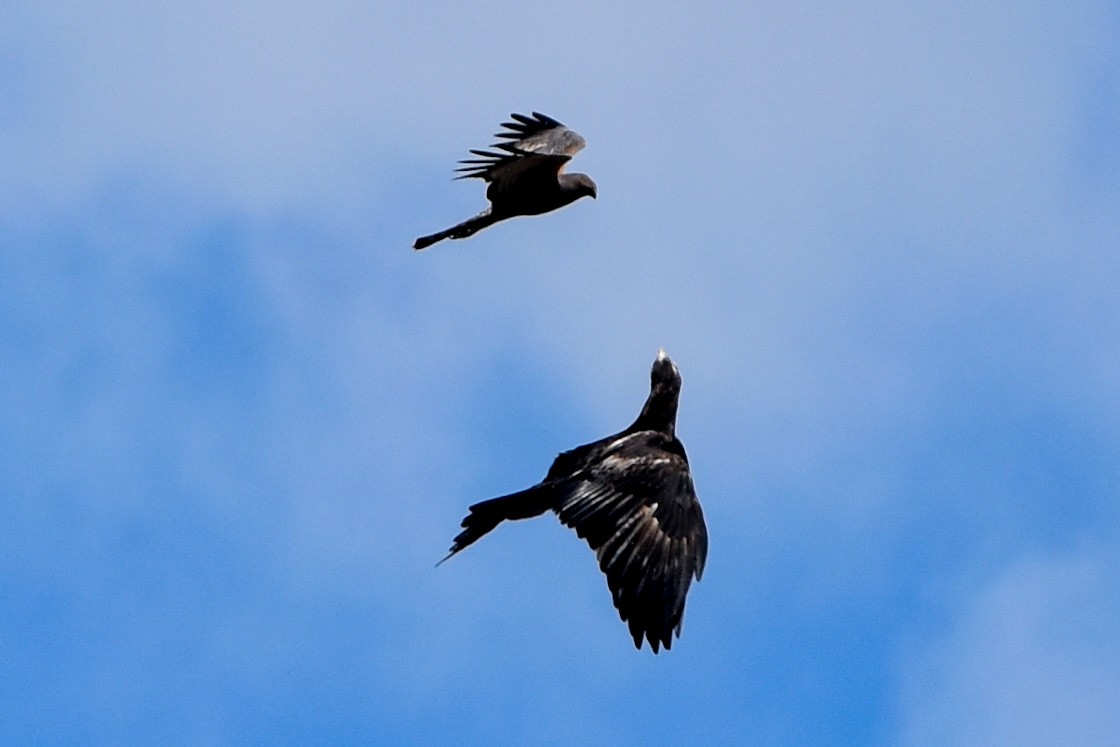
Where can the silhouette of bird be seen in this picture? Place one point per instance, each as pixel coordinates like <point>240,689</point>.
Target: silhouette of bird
<point>526,178</point>
<point>631,497</point>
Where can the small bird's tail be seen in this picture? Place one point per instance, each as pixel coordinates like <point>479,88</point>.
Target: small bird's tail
<point>486,515</point>
<point>460,231</point>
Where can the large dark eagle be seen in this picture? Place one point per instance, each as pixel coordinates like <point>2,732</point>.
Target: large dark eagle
<point>526,178</point>
<point>631,497</point>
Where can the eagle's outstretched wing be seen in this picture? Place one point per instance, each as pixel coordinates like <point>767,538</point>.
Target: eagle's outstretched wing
<point>637,509</point>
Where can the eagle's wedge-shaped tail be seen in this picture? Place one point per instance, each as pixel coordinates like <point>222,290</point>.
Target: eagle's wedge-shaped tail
<point>484,516</point>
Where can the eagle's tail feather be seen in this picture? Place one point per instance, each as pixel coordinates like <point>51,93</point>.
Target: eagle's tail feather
<point>486,515</point>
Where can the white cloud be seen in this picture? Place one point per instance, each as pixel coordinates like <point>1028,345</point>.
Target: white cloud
<point>1032,660</point>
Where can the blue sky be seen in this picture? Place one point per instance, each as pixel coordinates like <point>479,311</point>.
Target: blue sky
<point>242,419</point>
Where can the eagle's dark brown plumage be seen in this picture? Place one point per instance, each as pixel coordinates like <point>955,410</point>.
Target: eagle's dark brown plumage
<point>631,497</point>
<point>526,176</point>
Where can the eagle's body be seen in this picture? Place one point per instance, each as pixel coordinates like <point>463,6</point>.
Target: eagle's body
<point>630,495</point>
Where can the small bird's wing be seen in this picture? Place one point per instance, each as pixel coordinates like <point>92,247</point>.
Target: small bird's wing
<point>637,508</point>
<point>532,148</point>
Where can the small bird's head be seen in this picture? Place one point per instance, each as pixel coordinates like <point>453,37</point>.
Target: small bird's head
<point>585,186</point>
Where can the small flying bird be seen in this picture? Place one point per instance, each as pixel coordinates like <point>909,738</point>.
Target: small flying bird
<point>526,178</point>
<point>631,497</point>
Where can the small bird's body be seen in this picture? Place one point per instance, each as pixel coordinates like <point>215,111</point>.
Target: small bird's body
<point>631,497</point>
<point>526,178</point>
